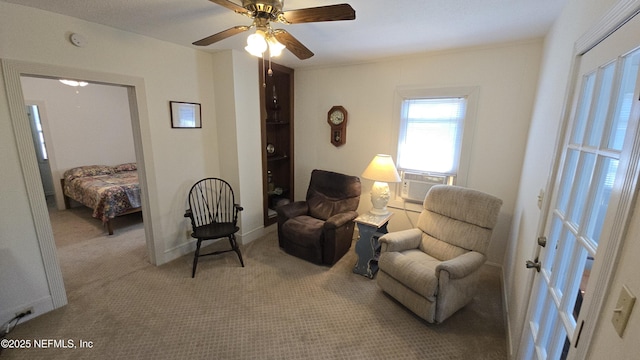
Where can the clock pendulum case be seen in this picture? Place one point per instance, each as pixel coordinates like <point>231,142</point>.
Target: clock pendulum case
<point>337,119</point>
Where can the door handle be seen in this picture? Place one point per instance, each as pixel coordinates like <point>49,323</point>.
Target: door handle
<point>542,241</point>
<point>533,265</point>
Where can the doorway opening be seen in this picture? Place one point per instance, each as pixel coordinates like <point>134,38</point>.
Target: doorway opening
<point>13,71</point>
<point>77,127</point>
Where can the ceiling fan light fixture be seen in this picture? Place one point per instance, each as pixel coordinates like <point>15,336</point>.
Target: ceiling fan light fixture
<point>256,44</point>
<point>74,83</point>
<point>275,47</point>
<point>263,12</point>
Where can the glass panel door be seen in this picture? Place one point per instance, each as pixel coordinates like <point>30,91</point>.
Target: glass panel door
<point>589,163</point>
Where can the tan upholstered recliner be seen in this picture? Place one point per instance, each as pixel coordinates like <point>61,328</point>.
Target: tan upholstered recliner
<point>433,269</point>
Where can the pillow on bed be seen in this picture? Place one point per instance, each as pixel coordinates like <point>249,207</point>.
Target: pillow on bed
<point>125,167</point>
<point>90,170</point>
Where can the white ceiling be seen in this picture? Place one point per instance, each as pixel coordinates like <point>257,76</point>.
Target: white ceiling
<point>383,28</point>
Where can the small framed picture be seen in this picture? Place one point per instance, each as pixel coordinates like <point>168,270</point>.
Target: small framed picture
<point>185,115</point>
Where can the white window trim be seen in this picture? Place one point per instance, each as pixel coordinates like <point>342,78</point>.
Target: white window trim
<point>412,92</point>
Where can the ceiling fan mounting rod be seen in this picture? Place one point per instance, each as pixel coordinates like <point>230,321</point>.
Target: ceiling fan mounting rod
<point>261,23</point>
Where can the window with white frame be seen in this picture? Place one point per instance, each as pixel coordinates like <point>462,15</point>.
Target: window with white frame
<point>38,133</point>
<point>436,131</point>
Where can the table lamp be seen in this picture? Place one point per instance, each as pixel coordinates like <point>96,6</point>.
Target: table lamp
<point>383,171</point>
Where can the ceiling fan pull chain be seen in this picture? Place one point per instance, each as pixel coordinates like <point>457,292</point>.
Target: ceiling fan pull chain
<point>264,80</point>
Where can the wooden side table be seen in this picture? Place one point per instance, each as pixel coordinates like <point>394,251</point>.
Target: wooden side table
<point>370,228</point>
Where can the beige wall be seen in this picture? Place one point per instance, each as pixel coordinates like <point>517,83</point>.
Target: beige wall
<point>174,158</point>
<point>239,137</point>
<point>170,72</point>
<point>506,76</point>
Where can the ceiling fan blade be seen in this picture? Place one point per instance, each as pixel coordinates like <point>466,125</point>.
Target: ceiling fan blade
<point>321,13</point>
<point>230,5</point>
<point>292,44</point>
<point>221,35</point>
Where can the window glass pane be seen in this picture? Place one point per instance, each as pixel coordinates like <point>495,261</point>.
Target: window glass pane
<point>552,245</point>
<point>568,173</point>
<point>43,148</point>
<point>601,105</point>
<point>39,135</point>
<point>581,187</point>
<point>561,264</point>
<point>604,178</point>
<point>541,300</point>
<point>560,338</point>
<point>429,147</point>
<point>576,305</point>
<point>625,100</point>
<point>571,285</point>
<point>547,327</point>
<point>435,109</point>
<point>431,134</point>
<point>583,109</point>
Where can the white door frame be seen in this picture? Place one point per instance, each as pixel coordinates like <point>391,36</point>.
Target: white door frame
<point>12,71</point>
<point>617,16</point>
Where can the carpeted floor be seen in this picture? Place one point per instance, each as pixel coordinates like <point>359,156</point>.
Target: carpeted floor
<point>277,307</point>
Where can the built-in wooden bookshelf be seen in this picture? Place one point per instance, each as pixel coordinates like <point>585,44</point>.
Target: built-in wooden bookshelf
<point>276,117</point>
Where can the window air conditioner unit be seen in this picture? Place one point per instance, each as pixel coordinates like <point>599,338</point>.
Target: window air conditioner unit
<point>415,186</point>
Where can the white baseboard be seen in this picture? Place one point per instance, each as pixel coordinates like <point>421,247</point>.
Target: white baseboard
<point>505,312</point>
<point>190,245</point>
<point>255,234</point>
<point>178,251</point>
<point>41,306</point>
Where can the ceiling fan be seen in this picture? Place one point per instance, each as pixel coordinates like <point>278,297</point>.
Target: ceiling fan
<point>265,11</point>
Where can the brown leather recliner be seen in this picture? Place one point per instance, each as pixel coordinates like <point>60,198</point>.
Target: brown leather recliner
<point>320,229</point>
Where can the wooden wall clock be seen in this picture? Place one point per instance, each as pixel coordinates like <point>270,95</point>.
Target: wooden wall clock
<point>337,119</point>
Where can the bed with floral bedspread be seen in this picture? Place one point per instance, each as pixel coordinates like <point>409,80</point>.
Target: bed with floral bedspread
<point>109,190</point>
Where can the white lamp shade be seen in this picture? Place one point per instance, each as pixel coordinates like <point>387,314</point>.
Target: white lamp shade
<point>381,168</point>
<point>275,47</point>
<point>256,44</point>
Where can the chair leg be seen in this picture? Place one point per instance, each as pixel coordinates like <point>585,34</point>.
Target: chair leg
<point>234,246</point>
<point>195,259</point>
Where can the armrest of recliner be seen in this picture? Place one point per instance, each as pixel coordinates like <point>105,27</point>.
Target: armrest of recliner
<point>462,265</point>
<point>340,219</point>
<point>401,240</point>
<point>293,209</point>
